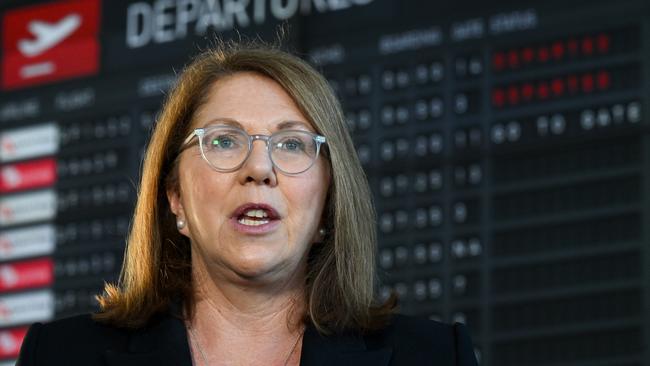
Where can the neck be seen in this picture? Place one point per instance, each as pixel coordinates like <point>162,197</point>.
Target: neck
<point>247,307</point>
<point>246,322</point>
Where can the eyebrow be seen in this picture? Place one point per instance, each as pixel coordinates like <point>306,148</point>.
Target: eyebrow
<point>290,124</point>
<point>225,121</point>
<point>280,126</point>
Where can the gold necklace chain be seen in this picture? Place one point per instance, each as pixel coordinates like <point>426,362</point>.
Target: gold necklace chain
<point>194,339</point>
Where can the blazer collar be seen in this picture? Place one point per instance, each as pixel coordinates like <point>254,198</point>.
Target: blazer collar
<point>165,343</point>
<point>341,350</point>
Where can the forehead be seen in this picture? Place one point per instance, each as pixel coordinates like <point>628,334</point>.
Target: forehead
<point>253,101</point>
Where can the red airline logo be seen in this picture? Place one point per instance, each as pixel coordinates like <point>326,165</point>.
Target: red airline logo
<point>22,275</point>
<point>34,174</point>
<point>50,42</point>
<point>10,341</point>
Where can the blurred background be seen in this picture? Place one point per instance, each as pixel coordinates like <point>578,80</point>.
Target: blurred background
<point>506,144</point>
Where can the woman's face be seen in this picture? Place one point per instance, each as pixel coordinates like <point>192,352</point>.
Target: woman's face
<point>222,209</point>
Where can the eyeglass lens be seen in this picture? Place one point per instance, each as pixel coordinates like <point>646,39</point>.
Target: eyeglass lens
<point>291,151</point>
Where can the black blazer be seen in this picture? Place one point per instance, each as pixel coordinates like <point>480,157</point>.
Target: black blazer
<point>80,341</point>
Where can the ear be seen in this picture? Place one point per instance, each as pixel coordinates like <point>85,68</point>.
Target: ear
<point>176,206</point>
<point>319,236</point>
<point>174,199</point>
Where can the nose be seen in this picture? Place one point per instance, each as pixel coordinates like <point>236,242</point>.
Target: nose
<point>258,168</point>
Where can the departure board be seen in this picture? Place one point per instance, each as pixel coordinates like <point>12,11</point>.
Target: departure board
<point>506,145</point>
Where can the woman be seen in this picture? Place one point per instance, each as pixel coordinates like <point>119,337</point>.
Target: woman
<point>253,237</point>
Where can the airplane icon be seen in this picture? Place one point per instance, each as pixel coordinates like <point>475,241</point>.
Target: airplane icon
<point>48,35</point>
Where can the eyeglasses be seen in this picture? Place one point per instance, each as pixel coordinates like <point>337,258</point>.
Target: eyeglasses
<point>227,148</point>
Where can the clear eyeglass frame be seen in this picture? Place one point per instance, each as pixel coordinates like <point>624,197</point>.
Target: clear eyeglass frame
<point>199,133</point>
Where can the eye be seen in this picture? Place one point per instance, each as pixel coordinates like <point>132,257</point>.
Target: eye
<point>223,142</point>
<point>291,144</point>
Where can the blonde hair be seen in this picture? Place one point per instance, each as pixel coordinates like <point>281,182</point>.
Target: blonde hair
<point>340,281</point>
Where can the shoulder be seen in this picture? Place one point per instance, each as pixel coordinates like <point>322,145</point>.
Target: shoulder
<point>417,340</point>
<point>82,337</point>
<point>417,326</point>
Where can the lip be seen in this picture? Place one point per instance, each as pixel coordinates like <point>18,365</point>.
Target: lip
<point>274,219</point>
<point>272,212</point>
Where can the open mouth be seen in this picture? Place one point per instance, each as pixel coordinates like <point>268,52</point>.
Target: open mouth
<point>252,214</point>
<point>254,218</point>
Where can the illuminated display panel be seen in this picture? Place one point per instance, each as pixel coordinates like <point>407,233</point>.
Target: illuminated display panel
<point>505,145</point>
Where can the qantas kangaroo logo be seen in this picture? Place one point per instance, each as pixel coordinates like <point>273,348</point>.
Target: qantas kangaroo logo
<point>48,35</point>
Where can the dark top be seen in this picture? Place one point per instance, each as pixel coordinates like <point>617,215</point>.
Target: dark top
<point>81,341</point>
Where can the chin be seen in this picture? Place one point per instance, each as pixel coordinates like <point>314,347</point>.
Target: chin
<point>256,266</point>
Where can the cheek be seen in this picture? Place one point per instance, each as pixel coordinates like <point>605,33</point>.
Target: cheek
<point>306,199</point>
<point>202,196</point>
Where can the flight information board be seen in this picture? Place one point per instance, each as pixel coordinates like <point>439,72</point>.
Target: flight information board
<point>506,144</point>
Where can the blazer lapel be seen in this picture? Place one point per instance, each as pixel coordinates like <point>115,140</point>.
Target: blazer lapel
<point>163,343</point>
<point>340,350</point>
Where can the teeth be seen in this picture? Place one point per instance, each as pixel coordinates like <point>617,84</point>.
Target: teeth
<point>248,222</point>
<point>256,213</point>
